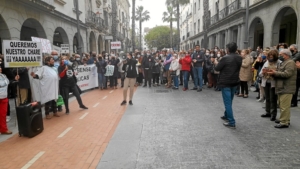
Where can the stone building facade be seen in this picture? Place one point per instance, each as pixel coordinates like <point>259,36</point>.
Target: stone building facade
<point>270,22</point>
<point>56,20</point>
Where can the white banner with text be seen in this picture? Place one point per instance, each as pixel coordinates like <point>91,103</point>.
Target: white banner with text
<point>87,77</point>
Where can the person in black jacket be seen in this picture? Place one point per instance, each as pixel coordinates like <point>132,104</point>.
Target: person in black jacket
<point>198,59</point>
<point>67,83</point>
<point>101,64</point>
<point>129,67</point>
<point>229,67</point>
<point>296,58</point>
<point>148,64</point>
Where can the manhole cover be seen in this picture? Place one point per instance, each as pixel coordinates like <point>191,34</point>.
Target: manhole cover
<point>162,91</point>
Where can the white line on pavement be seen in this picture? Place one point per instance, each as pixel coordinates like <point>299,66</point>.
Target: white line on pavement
<point>104,97</point>
<point>96,105</point>
<point>111,91</point>
<point>83,116</point>
<point>65,132</point>
<point>33,160</point>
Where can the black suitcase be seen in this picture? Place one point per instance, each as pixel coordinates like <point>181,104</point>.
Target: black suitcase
<point>30,120</point>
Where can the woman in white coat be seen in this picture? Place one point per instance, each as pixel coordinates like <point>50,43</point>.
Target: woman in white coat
<point>175,70</point>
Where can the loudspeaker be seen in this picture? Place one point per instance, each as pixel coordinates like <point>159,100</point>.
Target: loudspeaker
<point>30,120</point>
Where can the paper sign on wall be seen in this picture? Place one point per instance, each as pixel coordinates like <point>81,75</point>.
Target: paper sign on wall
<point>65,48</point>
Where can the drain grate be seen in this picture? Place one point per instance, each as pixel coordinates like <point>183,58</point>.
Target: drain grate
<point>162,91</point>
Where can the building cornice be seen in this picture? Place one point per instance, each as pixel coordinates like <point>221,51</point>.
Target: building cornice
<point>197,35</point>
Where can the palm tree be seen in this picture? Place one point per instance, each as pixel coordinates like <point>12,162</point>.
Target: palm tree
<point>177,3</point>
<point>141,16</point>
<point>133,26</point>
<point>169,17</point>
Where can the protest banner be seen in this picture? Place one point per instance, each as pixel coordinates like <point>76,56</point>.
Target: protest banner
<point>65,48</point>
<point>87,77</point>
<point>22,54</point>
<point>46,44</point>
<point>115,45</point>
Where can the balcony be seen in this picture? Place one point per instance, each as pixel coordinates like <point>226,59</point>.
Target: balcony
<point>100,23</point>
<point>91,18</point>
<point>231,8</point>
<point>214,19</point>
<point>120,36</point>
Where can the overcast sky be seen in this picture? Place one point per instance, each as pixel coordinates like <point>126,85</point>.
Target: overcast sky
<point>156,9</point>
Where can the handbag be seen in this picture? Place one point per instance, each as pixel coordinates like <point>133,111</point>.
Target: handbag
<point>60,101</point>
<point>173,73</point>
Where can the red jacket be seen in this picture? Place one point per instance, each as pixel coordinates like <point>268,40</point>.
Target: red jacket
<point>186,63</point>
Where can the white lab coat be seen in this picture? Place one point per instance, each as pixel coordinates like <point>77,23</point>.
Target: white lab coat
<point>48,84</point>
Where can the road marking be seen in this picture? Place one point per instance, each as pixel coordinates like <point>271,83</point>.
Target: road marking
<point>33,160</point>
<point>83,116</point>
<point>96,105</point>
<point>111,91</point>
<point>104,97</point>
<point>65,132</point>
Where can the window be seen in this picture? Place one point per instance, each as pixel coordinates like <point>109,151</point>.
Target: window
<point>195,28</point>
<point>198,25</point>
<point>195,7</point>
<point>199,4</point>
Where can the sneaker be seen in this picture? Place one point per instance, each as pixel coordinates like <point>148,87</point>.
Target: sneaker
<point>224,118</point>
<point>6,133</point>
<point>130,103</point>
<point>184,89</point>
<point>232,126</point>
<point>199,90</point>
<point>260,100</point>
<point>195,88</point>
<point>8,118</point>
<point>175,88</point>
<point>67,112</point>
<point>265,102</point>
<point>83,107</point>
<point>123,103</point>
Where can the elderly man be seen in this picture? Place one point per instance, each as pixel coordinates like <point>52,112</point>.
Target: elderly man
<point>296,58</point>
<point>55,56</point>
<point>285,86</point>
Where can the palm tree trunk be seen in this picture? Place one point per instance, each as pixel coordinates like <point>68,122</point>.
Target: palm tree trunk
<point>178,15</point>
<point>171,33</point>
<point>133,26</point>
<point>141,34</point>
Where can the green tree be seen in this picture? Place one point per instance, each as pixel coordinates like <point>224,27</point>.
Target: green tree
<point>159,37</point>
<point>169,17</point>
<point>176,4</point>
<point>141,16</point>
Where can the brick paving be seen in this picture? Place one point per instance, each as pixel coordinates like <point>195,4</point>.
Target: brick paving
<point>82,147</point>
<point>183,130</point>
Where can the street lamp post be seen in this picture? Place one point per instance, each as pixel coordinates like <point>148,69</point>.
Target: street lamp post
<point>246,43</point>
<point>78,30</point>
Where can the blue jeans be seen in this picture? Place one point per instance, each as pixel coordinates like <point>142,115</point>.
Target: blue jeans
<point>186,75</point>
<point>198,80</point>
<point>101,80</point>
<point>176,81</point>
<point>228,94</point>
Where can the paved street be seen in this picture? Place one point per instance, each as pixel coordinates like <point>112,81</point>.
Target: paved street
<point>164,129</point>
<point>184,130</point>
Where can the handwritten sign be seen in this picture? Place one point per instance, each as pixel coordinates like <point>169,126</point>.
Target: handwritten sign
<point>65,48</point>
<point>115,45</point>
<point>46,44</point>
<point>22,54</point>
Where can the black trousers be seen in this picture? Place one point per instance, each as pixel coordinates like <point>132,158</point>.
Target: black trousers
<point>65,95</point>
<point>295,96</point>
<point>113,81</point>
<point>155,77</point>
<point>244,87</point>
<point>122,79</point>
<point>51,104</point>
<point>271,99</point>
<point>204,75</point>
<point>148,76</point>
<point>181,77</point>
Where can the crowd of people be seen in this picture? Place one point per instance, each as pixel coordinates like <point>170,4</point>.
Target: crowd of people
<point>271,71</point>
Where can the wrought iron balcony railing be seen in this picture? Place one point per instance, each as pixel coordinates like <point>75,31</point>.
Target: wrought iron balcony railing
<point>231,8</point>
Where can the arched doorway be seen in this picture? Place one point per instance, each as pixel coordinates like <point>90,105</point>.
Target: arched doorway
<point>4,33</point>
<point>256,33</point>
<point>100,44</point>
<point>202,42</point>
<point>76,44</point>
<point>32,28</point>
<point>92,42</point>
<point>285,27</point>
<point>60,37</point>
